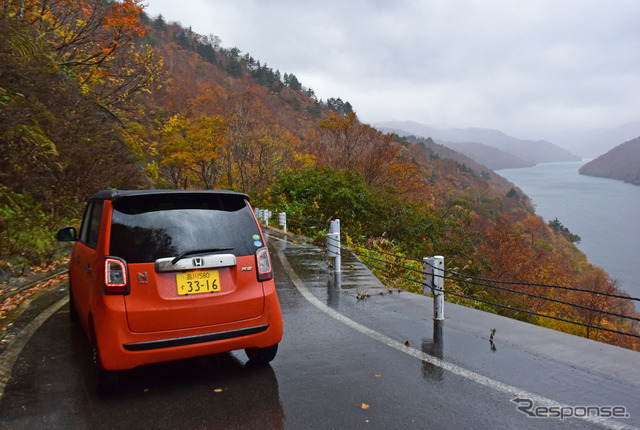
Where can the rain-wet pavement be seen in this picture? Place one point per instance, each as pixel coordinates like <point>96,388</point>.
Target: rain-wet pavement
<point>353,355</point>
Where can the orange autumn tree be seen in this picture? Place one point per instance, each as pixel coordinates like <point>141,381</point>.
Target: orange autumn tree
<point>190,150</point>
<point>596,305</point>
<point>257,148</point>
<point>343,142</point>
<point>510,257</point>
<point>527,252</point>
<point>95,43</point>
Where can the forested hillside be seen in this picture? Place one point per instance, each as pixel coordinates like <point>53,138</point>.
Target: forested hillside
<point>97,96</point>
<point>622,162</point>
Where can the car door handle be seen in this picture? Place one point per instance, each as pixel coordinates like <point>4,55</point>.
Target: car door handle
<point>89,269</point>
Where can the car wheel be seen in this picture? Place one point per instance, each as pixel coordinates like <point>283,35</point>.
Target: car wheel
<point>107,381</point>
<point>261,356</point>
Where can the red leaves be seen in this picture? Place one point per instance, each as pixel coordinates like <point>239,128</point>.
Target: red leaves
<point>14,301</point>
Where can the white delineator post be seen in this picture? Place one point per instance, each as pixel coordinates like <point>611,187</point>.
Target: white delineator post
<point>333,245</point>
<point>433,279</point>
<point>282,220</point>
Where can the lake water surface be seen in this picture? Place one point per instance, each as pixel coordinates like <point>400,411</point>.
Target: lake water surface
<point>605,213</point>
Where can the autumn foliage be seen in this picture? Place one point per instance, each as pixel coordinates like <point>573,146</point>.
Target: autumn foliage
<point>97,94</point>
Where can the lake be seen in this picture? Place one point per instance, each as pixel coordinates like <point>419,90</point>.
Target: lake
<point>605,213</point>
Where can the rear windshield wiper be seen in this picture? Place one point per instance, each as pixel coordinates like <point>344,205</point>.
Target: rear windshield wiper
<point>198,251</point>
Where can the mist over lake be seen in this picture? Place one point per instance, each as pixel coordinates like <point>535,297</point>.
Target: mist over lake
<point>603,212</point>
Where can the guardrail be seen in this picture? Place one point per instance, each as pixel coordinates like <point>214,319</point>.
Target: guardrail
<point>432,275</point>
<point>443,274</point>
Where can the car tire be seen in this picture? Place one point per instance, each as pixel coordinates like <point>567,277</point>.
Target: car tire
<point>107,381</point>
<point>261,356</point>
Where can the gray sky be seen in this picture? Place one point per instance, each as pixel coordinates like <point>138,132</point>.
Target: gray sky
<point>529,68</point>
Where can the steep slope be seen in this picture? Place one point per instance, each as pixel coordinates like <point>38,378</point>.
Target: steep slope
<point>622,162</point>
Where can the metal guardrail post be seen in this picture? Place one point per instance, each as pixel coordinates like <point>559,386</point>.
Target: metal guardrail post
<point>433,279</point>
<point>333,245</point>
<point>282,220</point>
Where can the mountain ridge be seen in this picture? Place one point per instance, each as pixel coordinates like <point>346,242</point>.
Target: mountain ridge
<point>595,142</point>
<point>621,163</point>
<point>508,151</point>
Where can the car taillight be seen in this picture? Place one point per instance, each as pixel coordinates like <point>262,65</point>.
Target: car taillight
<point>116,279</point>
<point>264,265</point>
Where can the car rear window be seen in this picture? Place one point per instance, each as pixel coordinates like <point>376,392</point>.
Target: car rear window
<point>145,228</point>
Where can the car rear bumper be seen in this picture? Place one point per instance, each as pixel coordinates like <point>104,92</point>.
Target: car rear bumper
<point>122,349</point>
<point>194,340</point>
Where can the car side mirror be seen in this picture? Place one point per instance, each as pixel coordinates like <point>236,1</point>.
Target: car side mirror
<point>67,234</point>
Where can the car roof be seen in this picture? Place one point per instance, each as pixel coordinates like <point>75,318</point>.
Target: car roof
<point>115,195</point>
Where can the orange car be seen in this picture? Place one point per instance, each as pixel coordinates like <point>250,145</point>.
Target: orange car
<point>159,275</point>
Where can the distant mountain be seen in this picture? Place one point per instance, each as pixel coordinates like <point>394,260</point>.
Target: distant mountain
<point>489,156</point>
<point>622,162</point>
<point>462,159</point>
<point>514,152</point>
<point>593,143</point>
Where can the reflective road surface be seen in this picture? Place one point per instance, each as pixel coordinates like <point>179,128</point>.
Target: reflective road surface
<point>345,362</point>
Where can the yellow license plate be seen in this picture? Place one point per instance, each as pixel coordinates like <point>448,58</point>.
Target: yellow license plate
<point>202,281</point>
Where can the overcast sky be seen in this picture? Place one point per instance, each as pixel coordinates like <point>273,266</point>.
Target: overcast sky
<point>528,68</point>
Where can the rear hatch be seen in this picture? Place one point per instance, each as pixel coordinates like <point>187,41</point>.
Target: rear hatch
<point>191,259</point>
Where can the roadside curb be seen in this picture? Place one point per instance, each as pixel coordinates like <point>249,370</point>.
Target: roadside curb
<point>8,293</point>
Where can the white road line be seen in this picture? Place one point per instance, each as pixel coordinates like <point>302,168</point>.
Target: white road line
<point>435,361</point>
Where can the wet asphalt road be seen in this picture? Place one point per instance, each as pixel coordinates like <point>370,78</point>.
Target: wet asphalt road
<point>337,367</point>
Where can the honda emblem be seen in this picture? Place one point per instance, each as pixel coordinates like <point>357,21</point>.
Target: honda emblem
<point>198,262</point>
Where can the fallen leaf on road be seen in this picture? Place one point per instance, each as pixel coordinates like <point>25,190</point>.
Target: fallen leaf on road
<point>365,406</point>
<point>407,343</point>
